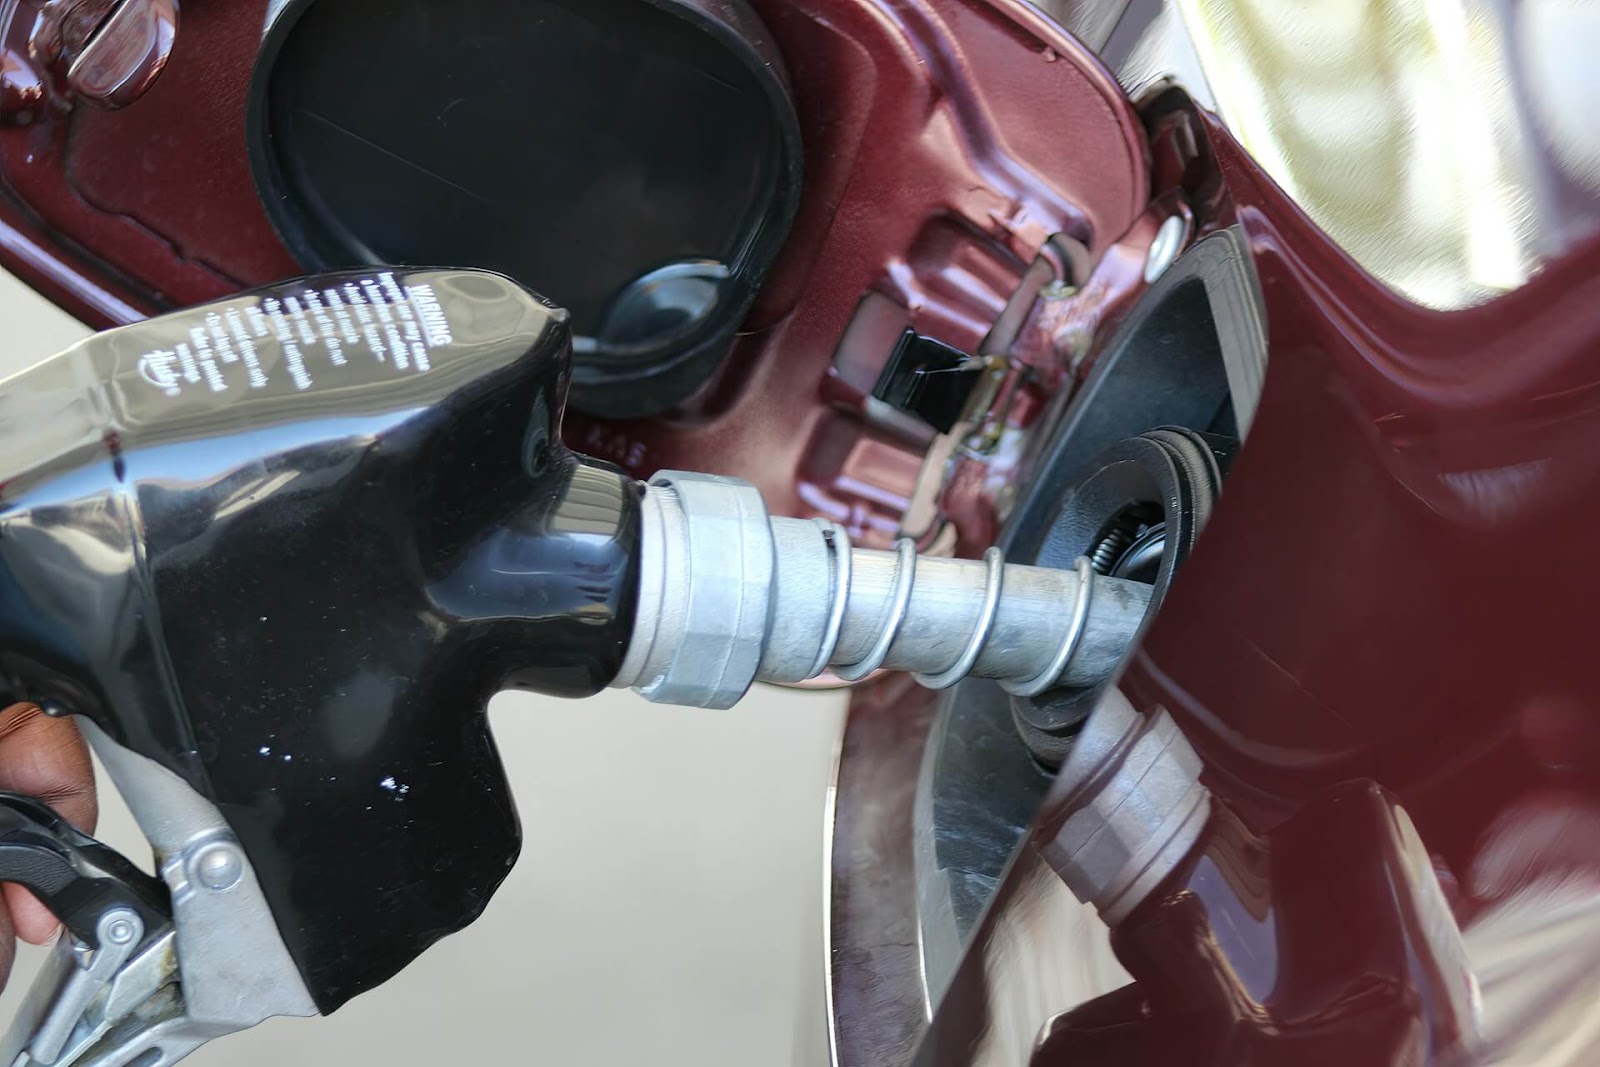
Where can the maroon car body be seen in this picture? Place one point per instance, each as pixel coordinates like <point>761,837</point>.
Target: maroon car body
<point>1378,648</point>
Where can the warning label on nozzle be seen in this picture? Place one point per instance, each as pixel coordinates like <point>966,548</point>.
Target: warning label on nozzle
<point>306,335</point>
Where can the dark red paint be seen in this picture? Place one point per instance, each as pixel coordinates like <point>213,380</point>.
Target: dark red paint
<point>945,140</point>
<point>1398,583</point>
<point>1235,966</point>
<point>1394,591</point>
<point>24,91</point>
<point>158,196</point>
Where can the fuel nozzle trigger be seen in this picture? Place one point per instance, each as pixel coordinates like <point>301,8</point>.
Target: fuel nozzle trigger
<point>117,952</point>
<point>79,879</point>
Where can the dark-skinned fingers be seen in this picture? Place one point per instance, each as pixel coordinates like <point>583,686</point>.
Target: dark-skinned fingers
<point>44,758</point>
<point>8,947</point>
<point>48,759</point>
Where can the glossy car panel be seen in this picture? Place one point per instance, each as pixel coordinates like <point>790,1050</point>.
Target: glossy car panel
<point>1358,609</point>
<point>1011,131</point>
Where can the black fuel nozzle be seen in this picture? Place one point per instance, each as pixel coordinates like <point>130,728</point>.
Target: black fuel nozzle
<point>287,545</point>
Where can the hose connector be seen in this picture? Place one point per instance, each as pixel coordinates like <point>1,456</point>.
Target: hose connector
<point>706,576</point>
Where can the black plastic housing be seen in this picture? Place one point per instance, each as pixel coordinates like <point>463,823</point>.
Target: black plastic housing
<point>288,544</point>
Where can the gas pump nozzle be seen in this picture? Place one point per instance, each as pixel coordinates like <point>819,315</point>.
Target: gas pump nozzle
<point>277,552</point>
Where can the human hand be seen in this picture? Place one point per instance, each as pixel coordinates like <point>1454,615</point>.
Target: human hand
<point>44,758</point>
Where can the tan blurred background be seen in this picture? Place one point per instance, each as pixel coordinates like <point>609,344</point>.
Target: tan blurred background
<point>667,908</point>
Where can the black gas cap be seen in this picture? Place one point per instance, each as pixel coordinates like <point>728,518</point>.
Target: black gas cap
<point>636,160</point>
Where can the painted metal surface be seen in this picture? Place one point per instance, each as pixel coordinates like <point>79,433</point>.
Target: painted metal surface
<point>945,141</point>
<point>1359,610</point>
<point>1432,455</point>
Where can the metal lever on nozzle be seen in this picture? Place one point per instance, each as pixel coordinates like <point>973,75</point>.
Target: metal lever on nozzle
<point>113,913</point>
<point>730,596</point>
<point>150,969</point>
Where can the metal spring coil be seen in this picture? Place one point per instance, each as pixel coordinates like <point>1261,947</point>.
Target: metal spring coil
<point>1104,556</point>
<point>905,579</point>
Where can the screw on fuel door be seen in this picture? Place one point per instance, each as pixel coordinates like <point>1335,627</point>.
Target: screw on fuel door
<point>106,53</point>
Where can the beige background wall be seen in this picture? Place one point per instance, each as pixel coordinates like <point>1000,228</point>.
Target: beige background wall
<point>666,909</point>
